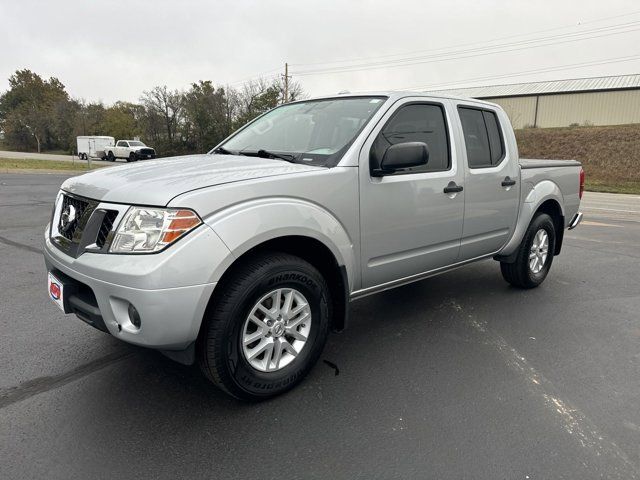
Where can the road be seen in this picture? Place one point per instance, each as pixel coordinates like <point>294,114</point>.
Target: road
<point>457,376</point>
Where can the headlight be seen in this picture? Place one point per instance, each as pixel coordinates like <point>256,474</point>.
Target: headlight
<point>145,230</point>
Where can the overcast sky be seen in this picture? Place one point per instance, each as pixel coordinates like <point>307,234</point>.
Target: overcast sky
<point>114,50</point>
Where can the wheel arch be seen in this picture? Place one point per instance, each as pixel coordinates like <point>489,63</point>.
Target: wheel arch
<point>309,249</point>
<point>545,197</point>
<point>552,208</point>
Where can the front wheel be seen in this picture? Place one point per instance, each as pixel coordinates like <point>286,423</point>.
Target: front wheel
<point>535,254</point>
<point>132,157</point>
<point>266,327</point>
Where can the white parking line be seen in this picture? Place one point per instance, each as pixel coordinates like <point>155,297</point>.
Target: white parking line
<point>598,224</point>
<point>575,423</point>
<point>611,209</point>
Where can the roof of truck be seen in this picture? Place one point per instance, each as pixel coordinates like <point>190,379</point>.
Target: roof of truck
<point>398,94</point>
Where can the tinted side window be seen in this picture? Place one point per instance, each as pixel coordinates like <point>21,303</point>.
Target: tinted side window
<point>495,139</point>
<point>482,136</point>
<point>476,138</point>
<point>416,123</point>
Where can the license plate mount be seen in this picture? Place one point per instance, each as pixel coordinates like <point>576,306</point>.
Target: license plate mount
<point>56,290</point>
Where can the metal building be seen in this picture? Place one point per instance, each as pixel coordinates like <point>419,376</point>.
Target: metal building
<point>561,103</point>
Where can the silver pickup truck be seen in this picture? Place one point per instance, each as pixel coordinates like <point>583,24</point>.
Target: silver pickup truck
<point>244,258</point>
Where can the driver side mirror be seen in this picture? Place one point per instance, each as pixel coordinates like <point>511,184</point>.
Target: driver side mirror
<point>402,155</point>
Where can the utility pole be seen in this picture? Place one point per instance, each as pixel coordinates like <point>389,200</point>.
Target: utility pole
<point>286,83</point>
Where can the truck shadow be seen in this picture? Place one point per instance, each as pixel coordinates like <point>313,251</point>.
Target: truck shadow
<point>410,341</point>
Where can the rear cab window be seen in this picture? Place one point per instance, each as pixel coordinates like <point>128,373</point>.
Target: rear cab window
<point>482,137</point>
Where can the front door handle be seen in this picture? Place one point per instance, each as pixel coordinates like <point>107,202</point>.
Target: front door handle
<point>453,188</point>
<point>508,182</point>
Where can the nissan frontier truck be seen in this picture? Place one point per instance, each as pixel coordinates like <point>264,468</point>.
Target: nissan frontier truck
<point>244,259</point>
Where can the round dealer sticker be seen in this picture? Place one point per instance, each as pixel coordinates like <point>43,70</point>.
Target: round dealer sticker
<point>54,290</point>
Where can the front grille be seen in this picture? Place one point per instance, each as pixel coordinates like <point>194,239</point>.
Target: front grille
<point>106,227</point>
<point>147,151</point>
<point>71,215</point>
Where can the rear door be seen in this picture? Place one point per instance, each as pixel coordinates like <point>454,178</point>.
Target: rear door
<point>492,180</point>
<point>409,224</point>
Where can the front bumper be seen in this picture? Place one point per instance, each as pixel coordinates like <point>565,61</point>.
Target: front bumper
<point>170,289</point>
<point>144,155</point>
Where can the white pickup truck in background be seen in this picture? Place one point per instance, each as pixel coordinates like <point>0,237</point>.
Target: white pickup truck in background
<point>130,150</point>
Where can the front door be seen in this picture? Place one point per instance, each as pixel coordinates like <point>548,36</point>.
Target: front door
<point>121,149</point>
<point>409,224</point>
<point>492,182</point>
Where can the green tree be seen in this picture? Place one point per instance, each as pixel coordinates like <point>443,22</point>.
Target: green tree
<point>205,120</point>
<point>28,109</point>
<point>120,121</point>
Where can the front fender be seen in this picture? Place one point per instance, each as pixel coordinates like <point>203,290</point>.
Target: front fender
<point>534,196</point>
<point>248,224</point>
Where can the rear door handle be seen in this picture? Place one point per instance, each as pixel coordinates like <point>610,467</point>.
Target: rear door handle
<point>453,188</point>
<point>507,182</point>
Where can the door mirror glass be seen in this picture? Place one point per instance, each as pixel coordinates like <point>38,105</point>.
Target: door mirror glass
<point>403,155</point>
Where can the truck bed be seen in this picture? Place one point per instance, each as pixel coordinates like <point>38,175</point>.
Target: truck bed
<point>526,163</point>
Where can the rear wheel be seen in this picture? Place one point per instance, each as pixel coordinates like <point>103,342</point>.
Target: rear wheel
<point>535,254</point>
<point>266,327</point>
<point>111,157</point>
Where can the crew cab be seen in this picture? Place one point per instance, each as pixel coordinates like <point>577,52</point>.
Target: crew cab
<point>130,150</point>
<point>244,258</point>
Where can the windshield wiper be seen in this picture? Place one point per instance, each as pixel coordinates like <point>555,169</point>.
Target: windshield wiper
<point>281,156</point>
<point>223,151</point>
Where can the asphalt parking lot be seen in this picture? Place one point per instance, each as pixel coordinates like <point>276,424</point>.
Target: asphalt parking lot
<point>457,376</point>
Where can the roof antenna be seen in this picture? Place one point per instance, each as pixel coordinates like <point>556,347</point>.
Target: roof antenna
<point>343,92</point>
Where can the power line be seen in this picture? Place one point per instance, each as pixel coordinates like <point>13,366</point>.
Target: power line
<point>256,77</point>
<point>481,51</point>
<point>450,53</point>
<point>469,43</point>
<point>451,85</point>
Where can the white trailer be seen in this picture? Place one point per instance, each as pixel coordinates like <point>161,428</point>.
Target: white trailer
<point>93,146</point>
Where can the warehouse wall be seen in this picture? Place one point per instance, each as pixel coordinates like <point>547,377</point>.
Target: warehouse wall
<point>561,110</point>
<point>597,108</point>
<point>521,110</point>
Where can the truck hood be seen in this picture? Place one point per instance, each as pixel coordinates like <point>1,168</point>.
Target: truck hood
<point>156,182</point>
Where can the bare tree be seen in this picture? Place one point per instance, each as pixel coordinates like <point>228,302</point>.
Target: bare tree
<point>166,104</point>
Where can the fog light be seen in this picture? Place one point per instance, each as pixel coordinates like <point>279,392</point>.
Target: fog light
<point>134,316</point>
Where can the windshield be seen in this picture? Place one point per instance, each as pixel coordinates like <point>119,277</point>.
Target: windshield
<point>136,144</point>
<point>316,132</point>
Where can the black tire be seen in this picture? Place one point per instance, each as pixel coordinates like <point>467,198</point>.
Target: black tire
<point>219,346</point>
<point>111,157</point>
<point>518,273</point>
<point>132,157</point>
